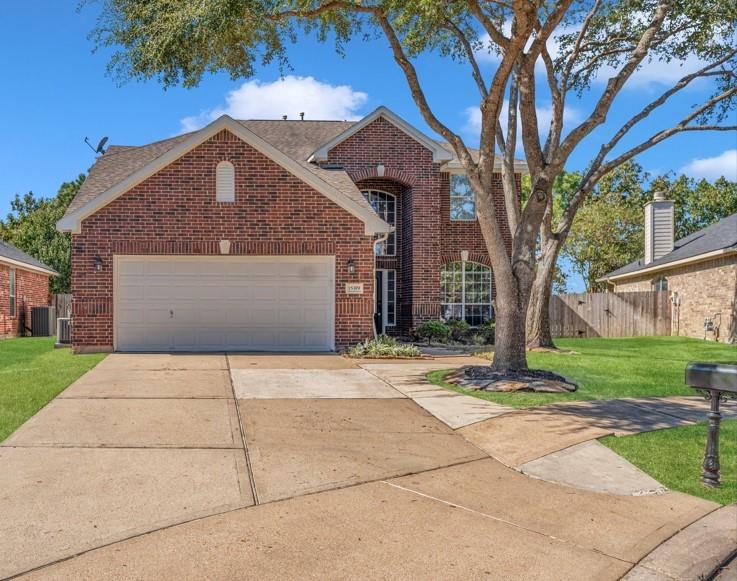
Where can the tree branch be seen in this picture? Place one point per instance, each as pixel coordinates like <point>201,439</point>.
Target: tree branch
<point>418,94</point>
<point>614,86</point>
<point>496,35</point>
<point>468,49</point>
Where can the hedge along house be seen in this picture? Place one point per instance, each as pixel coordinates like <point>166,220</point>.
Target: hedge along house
<point>24,284</point>
<point>274,235</point>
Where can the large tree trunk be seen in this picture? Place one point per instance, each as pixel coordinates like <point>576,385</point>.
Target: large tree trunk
<point>511,300</point>
<point>539,334</point>
<point>509,338</point>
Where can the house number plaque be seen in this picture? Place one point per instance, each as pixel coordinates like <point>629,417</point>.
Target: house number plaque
<point>354,288</point>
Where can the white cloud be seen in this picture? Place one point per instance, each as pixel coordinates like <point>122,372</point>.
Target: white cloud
<point>288,96</point>
<point>472,125</point>
<point>712,168</point>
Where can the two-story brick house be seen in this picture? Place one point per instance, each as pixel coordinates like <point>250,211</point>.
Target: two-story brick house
<point>275,235</point>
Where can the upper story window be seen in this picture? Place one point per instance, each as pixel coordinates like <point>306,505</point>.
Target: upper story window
<point>660,284</point>
<point>12,293</point>
<point>462,198</point>
<point>385,205</point>
<point>225,182</point>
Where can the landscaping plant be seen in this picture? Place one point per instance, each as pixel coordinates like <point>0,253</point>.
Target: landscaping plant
<point>383,346</point>
<point>435,329</point>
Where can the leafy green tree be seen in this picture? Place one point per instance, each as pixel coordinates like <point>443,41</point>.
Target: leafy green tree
<point>31,227</point>
<point>179,42</point>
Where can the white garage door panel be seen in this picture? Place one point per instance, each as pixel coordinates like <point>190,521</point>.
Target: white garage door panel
<point>216,303</point>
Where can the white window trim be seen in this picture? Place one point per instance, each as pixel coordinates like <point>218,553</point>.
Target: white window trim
<point>392,233</point>
<point>451,196</point>
<point>463,302</point>
<point>385,294</point>
<point>13,292</point>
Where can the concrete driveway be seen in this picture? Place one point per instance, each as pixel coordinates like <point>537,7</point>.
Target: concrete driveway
<point>259,466</point>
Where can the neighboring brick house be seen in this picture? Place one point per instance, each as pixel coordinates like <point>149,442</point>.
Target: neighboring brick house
<point>275,235</point>
<point>699,271</point>
<point>24,283</point>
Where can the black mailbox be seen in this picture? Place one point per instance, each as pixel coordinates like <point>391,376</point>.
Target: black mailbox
<point>712,376</point>
<point>719,381</point>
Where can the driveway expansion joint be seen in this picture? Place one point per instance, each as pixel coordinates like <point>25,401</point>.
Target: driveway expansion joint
<point>242,430</point>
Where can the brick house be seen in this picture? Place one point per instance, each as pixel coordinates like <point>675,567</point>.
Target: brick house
<point>24,284</point>
<point>699,271</point>
<point>275,235</point>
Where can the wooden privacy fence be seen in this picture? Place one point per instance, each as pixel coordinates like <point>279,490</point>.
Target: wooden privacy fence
<point>628,314</point>
<point>63,304</point>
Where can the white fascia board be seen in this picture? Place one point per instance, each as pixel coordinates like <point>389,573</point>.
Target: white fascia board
<point>439,153</point>
<point>456,166</point>
<point>73,222</point>
<point>25,266</point>
<point>668,265</point>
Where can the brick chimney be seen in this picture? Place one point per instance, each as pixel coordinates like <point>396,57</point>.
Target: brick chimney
<point>659,227</point>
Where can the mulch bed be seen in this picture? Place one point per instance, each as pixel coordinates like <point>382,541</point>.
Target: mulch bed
<point>480,377</point>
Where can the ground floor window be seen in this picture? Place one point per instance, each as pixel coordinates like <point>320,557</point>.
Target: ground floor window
<point>466,292</point>
<point>660,284</point>
<point>388,300</point>
<point>12,293</point>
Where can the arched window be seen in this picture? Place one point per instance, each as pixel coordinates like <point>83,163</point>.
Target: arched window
<point>660,284</point>
<point>225,182</point>
<point>466,292</point>
<point>385,205</point>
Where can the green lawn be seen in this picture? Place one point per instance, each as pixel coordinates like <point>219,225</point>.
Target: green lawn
<point>613,368</point>
<point>32,372</point>
<point>673,457</point>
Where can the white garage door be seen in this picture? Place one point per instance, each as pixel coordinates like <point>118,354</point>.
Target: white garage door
<point>216,303</point>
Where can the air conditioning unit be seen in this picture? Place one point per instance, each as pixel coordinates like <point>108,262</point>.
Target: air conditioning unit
<point>43,321</point>
<point>63,331</point>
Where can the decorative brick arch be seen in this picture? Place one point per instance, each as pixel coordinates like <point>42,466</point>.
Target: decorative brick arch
<point>389,173</point>
<point>479,258</point>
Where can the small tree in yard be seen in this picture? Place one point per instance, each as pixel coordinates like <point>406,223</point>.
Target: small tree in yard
<point>180,41</point>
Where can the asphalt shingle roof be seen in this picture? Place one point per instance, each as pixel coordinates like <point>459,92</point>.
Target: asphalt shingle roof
<point>9,251</point>
<point>719,236</point>
<point>296,139</point>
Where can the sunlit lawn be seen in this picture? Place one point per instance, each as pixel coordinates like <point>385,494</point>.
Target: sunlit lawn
<point>613,368</point>
<point>32,373</point>
<point>673,457</point>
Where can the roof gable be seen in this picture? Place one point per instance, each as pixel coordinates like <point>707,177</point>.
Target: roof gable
<point>178,147</point>
<point>439,153</point>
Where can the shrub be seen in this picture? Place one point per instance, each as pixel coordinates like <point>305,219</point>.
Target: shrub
<point>430,330</point>
<point>383,346</point>
<point>460,330</point>
<point>486,332</point>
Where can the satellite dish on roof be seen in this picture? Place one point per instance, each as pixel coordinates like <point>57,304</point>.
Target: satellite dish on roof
<point>100,149</point>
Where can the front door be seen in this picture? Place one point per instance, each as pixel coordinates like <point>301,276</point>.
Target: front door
<point>379,308</point>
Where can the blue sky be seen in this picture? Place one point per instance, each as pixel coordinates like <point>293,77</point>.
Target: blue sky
<point>56,92</point>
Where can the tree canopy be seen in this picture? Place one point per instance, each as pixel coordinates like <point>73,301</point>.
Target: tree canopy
<point>31,227</point>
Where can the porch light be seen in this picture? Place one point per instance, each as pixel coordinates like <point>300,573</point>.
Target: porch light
<point>97,262</point>
<point>351,267</point>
